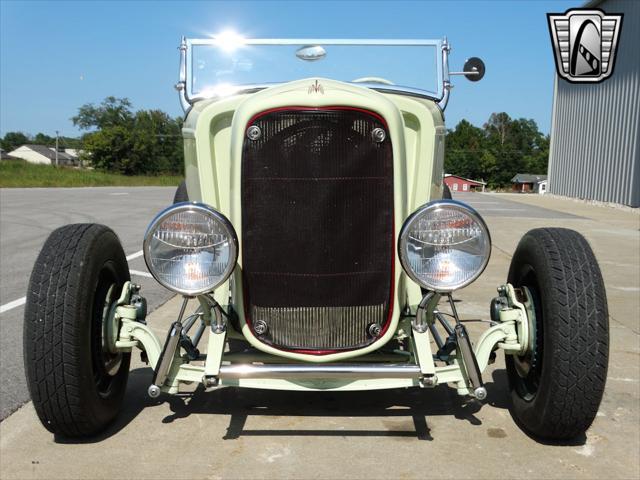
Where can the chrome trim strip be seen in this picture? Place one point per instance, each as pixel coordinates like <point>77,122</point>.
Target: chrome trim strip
<point>323,41</point>
<point>302,371</point>
<point>253,88</point>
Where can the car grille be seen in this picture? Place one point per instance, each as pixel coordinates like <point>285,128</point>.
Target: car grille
<point>317,228</point>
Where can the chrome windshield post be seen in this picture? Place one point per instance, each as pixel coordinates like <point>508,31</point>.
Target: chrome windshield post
<point>181,86</point>
<point>446,83</point>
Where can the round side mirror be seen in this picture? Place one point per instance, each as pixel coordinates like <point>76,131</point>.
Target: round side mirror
<point>474,69</point>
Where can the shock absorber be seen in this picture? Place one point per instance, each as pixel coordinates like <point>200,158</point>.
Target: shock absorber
<point>167,354</point>
<point>470,363</point>
<point>468,356</point>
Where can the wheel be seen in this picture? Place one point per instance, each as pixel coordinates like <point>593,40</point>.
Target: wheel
<point>557,387</point>
<point>446,192</point>
<point>181,193</point>
<point>76,383</point>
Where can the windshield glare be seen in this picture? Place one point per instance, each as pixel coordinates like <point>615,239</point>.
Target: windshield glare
<point>214,69</point>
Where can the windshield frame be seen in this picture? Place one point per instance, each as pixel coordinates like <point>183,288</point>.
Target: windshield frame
<point>187,97</point>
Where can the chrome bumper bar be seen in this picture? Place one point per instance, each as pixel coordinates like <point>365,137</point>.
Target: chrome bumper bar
<point>344,371</point>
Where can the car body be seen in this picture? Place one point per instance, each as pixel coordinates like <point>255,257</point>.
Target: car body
<point>312,232</point>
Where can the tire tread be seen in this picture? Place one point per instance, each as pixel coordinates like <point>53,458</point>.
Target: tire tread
<point>579,330</point>
<point>52,339</point>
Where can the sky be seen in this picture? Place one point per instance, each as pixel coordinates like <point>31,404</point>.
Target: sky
<point>58,55</point>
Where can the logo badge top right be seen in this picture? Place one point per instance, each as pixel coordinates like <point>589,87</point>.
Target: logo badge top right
<point>585,43</point>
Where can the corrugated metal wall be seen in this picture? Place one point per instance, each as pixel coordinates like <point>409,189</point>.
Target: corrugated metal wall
<point>595,129</point>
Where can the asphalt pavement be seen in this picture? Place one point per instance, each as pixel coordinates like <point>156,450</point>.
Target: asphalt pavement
<point>27,217</point>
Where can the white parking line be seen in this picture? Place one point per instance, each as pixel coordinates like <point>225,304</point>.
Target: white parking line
<point>502,209</point>
<point>11,305</point>
<point>21,301</point>
<point>625,289</point>
<point>134,255</point>
<point>140,274</point>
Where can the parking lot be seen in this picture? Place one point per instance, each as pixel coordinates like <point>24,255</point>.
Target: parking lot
<point>232,433</point>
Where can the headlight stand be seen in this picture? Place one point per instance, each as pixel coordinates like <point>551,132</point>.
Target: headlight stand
<point>422,347</point>
<point>217,340</point>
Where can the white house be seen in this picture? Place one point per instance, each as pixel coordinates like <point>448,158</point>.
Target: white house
<point>44,155</point>
<point>542,187</point>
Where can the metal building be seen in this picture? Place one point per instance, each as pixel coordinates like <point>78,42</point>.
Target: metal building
<point>595,128</point>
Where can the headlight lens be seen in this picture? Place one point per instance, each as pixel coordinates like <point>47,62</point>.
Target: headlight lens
<point>445,245</point>
<point>190,248</point>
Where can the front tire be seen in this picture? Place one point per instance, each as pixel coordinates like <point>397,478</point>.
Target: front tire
<point>446,192</point>
<point>181,194</point>
<point>76,384</point>
<point>557,395</point>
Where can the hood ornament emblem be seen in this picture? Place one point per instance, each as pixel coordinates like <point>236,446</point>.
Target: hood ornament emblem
<point>315,87</point>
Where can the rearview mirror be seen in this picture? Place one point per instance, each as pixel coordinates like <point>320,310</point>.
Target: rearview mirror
<point>473,69</point>
<point>311,53</point>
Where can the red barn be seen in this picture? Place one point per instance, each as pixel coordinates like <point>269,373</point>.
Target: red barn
<point>461,184</point>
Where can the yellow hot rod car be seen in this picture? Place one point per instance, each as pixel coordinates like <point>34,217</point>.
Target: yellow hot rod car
<point>313,229</point>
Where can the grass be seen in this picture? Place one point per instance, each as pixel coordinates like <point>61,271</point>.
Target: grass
<point>18,173</point>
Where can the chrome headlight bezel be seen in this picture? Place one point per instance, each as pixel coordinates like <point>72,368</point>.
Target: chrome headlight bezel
<point>207,211</point>
<point>431,207</point>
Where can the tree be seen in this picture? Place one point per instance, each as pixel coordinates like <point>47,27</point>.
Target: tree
<point>13,140</point>
<point>537,161</point>
<point>109,149</point>
<point>155,138</point>
<point>498,151</point>
<point>498,127</point>
<point>144,142</point>
<point>464,147</point>
<point>488,165</point>
<point>112,112</point>
<point>42,139</point>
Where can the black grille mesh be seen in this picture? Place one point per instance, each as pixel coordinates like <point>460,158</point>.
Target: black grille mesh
<point>317,227</point>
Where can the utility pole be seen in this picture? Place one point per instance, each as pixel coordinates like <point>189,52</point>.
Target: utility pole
<point>56,148</point>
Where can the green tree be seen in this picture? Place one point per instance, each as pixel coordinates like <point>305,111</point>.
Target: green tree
<point>109,149</point>
<point>498,128</point>
<point>463,148</point>
<point>496,152</point>
<point>13,140</point>
<point>518,145</point>
<point>144,142</point>
<point>112,112</point>
<point>42,139</point>
<point>501,142</point>
<point>156,136</point>
<point>488,165</point>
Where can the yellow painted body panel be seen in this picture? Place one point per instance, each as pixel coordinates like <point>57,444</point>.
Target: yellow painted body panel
<point>214,132</point>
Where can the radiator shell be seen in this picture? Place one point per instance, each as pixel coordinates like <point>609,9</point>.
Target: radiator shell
<point>317,224</point>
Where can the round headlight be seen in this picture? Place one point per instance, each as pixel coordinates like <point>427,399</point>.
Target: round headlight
<point>445,245</point>
<point>190,248</point>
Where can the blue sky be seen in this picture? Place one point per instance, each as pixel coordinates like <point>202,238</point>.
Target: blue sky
<point>56,56</point>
